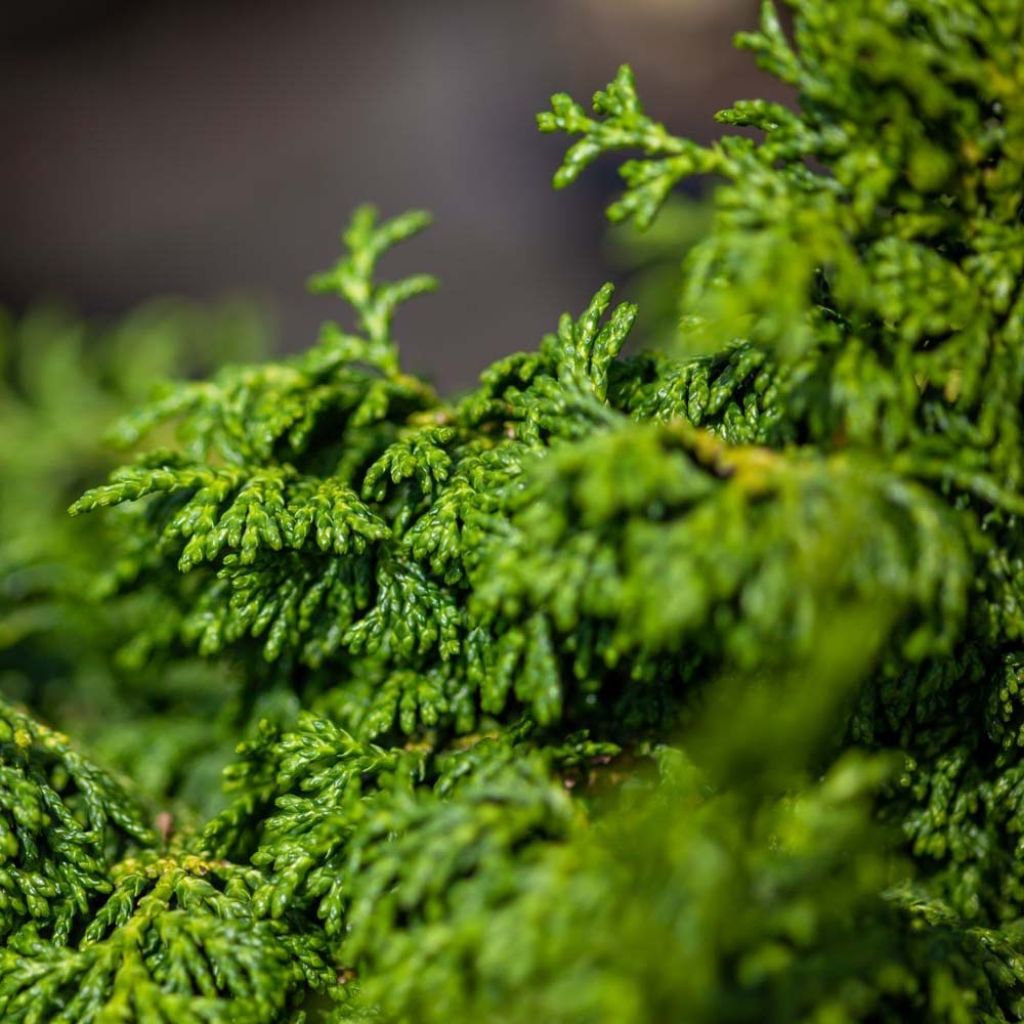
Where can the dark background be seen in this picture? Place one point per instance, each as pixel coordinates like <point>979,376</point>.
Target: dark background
<point>216,147</point>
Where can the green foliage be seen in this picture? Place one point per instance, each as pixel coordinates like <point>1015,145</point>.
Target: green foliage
<point>620,122</point>
<point>67,648</point>
<point>175,941</point>
<point>64,824</point>
<point>675,685</point>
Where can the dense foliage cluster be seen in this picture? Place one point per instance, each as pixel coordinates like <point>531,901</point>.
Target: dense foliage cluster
<point>681,684</point>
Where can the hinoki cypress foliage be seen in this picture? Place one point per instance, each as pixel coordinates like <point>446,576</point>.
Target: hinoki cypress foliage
<point>678,685</point>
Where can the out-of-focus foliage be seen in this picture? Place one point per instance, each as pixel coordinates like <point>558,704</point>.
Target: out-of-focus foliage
<point>681,684</point>
<point>66,648</point>
<point>650,260</point>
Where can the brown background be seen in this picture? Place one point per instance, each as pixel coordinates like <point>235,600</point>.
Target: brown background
<point>205,148</point>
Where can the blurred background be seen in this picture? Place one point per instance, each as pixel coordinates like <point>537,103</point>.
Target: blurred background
<point>206,148</point>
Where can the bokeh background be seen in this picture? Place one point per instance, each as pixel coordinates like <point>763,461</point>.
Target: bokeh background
<point>205,148</point>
